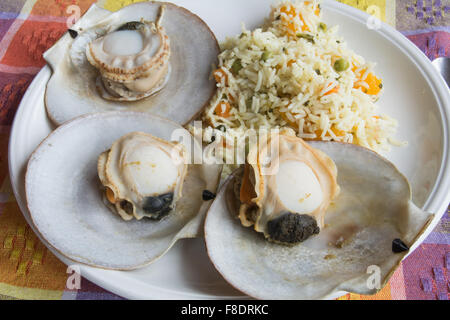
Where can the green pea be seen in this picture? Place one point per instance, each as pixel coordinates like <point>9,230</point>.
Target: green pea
<point>265,56</point>
<point>341,65</point>
<point>237,66</point>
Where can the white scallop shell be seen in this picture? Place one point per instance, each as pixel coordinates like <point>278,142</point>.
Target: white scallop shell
<point>72,90</point>
<point>350,254</point>
<point>64,195</point>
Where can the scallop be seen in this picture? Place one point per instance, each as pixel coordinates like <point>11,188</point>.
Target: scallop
<point>367,229</point>
<point>147,57</point>
<point>286,188</point>
<point>143,176</point>
<point>133,60</point>
<point>147,198</point>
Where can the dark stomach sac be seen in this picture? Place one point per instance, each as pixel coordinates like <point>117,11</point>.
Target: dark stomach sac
<point>132,25</point>
<point>291,229</point>
<point>127,207</point>
<point>158,207</point>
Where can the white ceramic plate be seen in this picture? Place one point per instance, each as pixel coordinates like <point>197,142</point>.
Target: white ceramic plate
<point>414,94</point>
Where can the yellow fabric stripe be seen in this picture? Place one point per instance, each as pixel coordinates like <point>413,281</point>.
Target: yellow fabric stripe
<point>374,7</point>
<point>29,293</point>
<point>114,5</point>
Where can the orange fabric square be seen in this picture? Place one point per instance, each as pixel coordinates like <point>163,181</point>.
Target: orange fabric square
<point>60,8</point>
<point>31,41</point>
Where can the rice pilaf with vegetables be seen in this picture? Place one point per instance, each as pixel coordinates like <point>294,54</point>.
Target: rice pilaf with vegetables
<point>297,73</point>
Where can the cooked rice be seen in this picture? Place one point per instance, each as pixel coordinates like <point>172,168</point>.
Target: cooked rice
<point>282,76</point>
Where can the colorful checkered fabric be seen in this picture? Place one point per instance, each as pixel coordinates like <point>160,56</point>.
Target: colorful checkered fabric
<point>28,270</point>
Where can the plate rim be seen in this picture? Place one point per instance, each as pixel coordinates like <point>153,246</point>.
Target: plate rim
<point>438,200</point>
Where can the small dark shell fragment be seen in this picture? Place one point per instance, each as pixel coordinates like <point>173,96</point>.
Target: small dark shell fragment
<point>208,195</point>
<point>398,246</point>
<point>73,33</point>
<point>292,228</point>
<point>158,207</point>
<point>132,25</point>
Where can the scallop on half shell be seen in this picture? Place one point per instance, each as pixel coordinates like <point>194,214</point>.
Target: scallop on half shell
<point>143,176</point>
<point>286,188</point>
<point>367,229</point>
<point>66,190</point>
<point>151,57</point>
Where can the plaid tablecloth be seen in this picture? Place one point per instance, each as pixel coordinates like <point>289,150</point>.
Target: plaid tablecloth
<point>28,270</point>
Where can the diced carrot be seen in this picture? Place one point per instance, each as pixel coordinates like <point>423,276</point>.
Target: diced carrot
<point>374,84</point>
<point>318,134</point>
<point>223,109</point>
<point>290,12</point>
<point>293,125</point>
<point>292,28</point>
<point>291,62</point>
<point>220,74</point>
<point>334,90</point>
<point>317,11</point>
<point>337,132</point>
<point>247,192</point>
<point>304,26</point>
